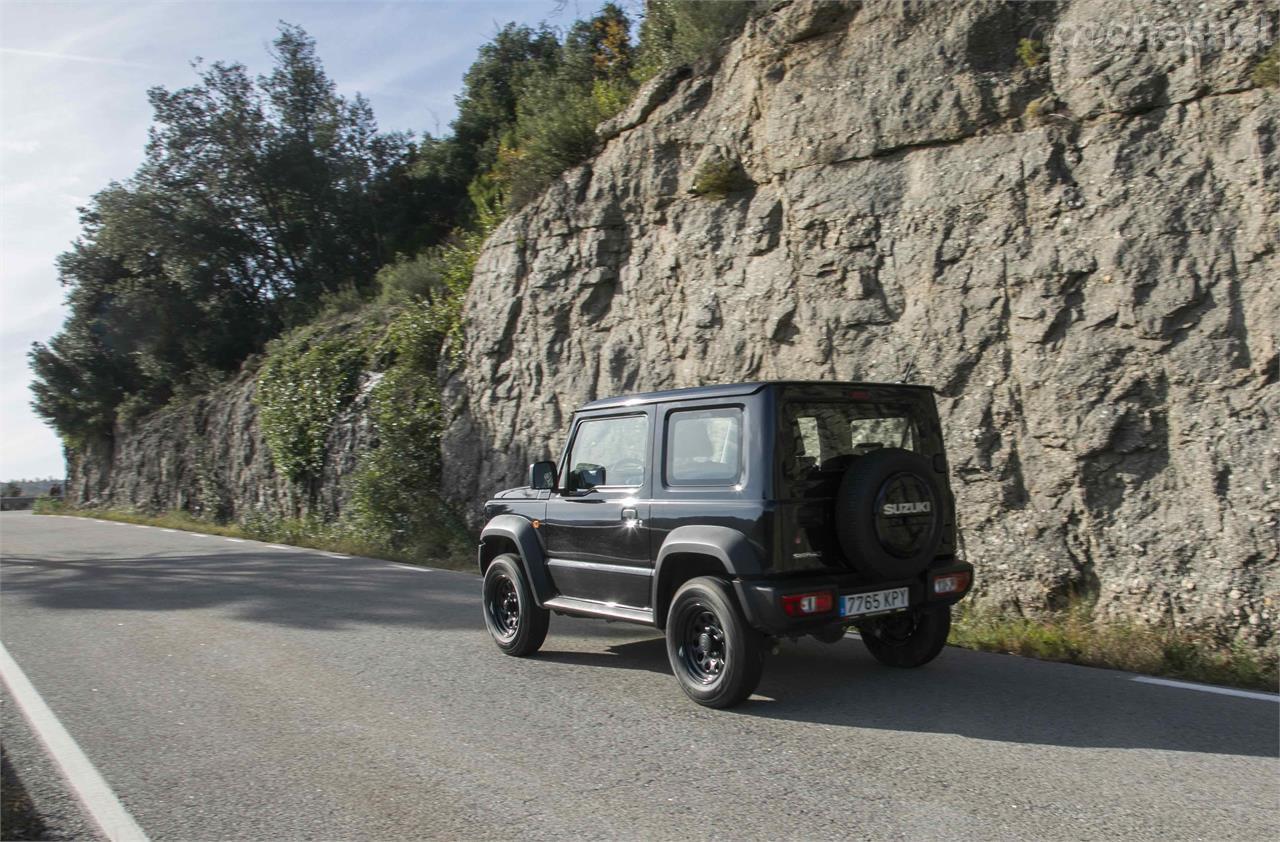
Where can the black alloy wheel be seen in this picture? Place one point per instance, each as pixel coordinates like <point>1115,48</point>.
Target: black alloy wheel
<point>514,620</point>
<point>703,648</point>
<point>715,655</point>
<point>504,607</point>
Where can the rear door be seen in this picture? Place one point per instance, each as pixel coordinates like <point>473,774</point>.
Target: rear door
<point>596,530</point>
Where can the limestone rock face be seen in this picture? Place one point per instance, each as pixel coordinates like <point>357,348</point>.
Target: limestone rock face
<point>209,457</point>
<point>1081,256</point>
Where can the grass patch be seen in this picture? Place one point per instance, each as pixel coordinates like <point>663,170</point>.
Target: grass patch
<point>1267,72</point>
<point>1075,636</point>
<point>718,178</point>
<point>1032,52</point>
<point>298,532</point>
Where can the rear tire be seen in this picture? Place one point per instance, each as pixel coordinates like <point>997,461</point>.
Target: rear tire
<point>910,639</point>
<point>514,620</point>
<point>717,658</point>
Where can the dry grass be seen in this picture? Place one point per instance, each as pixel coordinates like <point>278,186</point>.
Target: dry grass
<point>1075,636</point>
<point>1032,52</point>
<point>719,178</point>
<point>295,532</point>
<point>1267,72</point>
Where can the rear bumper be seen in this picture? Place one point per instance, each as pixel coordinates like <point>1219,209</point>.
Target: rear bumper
<point>761,599</point>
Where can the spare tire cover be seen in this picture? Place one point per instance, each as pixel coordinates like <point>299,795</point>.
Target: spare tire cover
<point>889,513</point>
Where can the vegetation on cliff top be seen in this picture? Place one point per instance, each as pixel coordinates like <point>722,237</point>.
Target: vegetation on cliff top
<point>259,198</point>
<point>256,198</point>
<point>262,201</point>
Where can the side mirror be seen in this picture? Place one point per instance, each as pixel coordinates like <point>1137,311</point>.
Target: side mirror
<point>542,475</point>
<point>586,476</point>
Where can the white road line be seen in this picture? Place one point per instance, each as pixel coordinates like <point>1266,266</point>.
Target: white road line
<point>412,567</point>
<point>1207,688</point>
<point>280,547</point>
<point>101,803</point>
<point>335,555</point>
<point>234,540</point>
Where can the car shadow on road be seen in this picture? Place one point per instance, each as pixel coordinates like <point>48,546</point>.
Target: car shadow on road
<point>982,696</point>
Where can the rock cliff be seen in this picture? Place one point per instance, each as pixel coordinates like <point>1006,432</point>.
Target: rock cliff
<point>1081,255</point>
<point>209,456</point>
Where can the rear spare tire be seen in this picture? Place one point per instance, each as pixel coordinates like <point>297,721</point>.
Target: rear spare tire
<point>889,513</point>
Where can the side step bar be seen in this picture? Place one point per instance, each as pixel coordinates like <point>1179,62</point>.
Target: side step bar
<point>588,608</point>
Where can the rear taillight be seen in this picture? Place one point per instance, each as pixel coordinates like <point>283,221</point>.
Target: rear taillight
<point>805,604</point>
<point>951,583</point>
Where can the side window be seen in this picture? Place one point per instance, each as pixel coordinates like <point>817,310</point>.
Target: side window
<point>810,444</point>
<point>874,433</point>
<point>609,452</point>
<point>704,446</point>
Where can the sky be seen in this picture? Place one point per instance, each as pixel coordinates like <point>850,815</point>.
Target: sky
<point>74,117</point>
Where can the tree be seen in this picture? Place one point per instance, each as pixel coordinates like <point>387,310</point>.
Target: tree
<point>559,105</point>
<point>676,32</point>
<point>490,90</point>
<point>256,199</point>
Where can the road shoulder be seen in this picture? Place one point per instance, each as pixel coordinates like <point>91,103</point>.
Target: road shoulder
<point>51,800</point>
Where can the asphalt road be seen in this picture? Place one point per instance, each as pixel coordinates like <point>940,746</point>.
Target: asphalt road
<point>232,690</point>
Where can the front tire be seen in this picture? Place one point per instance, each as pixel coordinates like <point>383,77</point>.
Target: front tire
<point>717,658</point>
<point>514,620</point>
<point>910,639</point>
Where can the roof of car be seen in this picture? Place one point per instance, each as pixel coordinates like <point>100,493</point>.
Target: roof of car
<point>726,390</point>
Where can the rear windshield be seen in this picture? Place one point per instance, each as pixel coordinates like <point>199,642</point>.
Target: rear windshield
<point>820,439</point>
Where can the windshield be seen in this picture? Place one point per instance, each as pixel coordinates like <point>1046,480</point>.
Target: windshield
<point>820,439</point>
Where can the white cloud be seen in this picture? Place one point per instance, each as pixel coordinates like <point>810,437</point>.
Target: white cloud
<point>46,54</point>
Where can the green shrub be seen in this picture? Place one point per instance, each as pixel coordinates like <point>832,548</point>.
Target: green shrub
<point>676,32</point>
<point>556,130</point>
<point>1266,74</point>
<point>306,380</point>
<point>1032,52</point>
<point>395,493</point>
<point>720,177</point>
<point>410,278</point>
<point>610,96</point>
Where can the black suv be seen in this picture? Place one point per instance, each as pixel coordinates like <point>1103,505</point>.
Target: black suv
<point>729,515</point>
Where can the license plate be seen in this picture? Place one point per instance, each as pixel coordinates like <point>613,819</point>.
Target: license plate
<point>876,602</point>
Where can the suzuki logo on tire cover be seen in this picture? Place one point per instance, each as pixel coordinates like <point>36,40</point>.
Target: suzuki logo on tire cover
<point>906,514</point>
<point>921,508</point>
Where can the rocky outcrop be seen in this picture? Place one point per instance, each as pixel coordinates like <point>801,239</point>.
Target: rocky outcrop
<point>208,456</point>
<point>1082,256</point>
